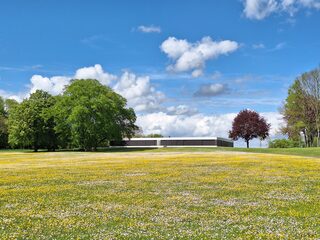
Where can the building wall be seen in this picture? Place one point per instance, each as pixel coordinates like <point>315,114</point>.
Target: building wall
<point>171,142</point>
<point>195,142</point>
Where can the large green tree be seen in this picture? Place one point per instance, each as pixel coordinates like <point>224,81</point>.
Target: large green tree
<point>31,122</point>
<point>89,114</point>
<point>301,110</point>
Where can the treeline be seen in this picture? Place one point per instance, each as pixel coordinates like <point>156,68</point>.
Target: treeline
<point>301,110</point>
<point>85,116</point>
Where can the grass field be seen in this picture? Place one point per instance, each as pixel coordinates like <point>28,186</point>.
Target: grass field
<point>159,194</point>
<point>308,152</point>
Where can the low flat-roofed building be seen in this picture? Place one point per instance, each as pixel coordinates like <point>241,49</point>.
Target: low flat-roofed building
<point>174,142</point>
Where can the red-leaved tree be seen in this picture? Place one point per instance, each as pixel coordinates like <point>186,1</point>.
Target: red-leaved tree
<point>248,125</point>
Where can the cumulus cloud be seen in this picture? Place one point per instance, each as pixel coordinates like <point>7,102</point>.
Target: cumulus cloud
<point>53,85</point>
<point>149,29</point>
<point>198,124</point>
<point>211,90</point>
<point>139,92</point>
<point>9,95</point>
<point>182,110</point>
<point>95,72</point>
<point>260,9</point>
<point>192,57</point>
<point>56,84</point>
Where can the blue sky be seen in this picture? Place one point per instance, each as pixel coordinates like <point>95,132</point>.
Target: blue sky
<point>276,40</point>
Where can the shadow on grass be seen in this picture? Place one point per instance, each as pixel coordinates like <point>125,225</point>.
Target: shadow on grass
<point>79,150</point>
<point>16,150</point>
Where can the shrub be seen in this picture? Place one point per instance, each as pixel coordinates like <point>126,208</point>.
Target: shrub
<point>284,143</point>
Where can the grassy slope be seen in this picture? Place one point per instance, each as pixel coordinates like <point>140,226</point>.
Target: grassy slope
<point>146,195</point>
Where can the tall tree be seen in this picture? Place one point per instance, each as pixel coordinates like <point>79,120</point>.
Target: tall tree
<point>89,113</point>
<point>249,125</point>
<point>3,125</point>
<point>31,123</point>
<point>310,83</point>
<point>301,110</point>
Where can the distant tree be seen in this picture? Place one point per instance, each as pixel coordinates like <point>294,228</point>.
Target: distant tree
<point>31,123</point>
<point>138,133</point>
<point>284,143</point>
<point>3,125</point>
<point>89,113</point>
<point>154,135</point>
<point>249,125</point>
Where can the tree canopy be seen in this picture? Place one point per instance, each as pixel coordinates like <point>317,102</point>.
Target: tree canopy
<point>89,113</point>
<point>31,123</point>
<point>301,110</point>
<point>249,125</point>
<point>3,125</point>
<point>85,116</point>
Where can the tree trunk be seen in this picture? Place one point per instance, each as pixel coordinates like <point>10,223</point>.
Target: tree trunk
<point>307,138</point>
<point>247,141</point>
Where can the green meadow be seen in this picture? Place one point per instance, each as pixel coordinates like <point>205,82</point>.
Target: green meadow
<point>159,194</point>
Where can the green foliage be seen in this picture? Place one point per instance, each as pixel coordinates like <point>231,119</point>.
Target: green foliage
<point>3,125</point>
<point>85,116</point>
<point>301,110</point>
<point>154,135</point>
<point>89,113</point>
<point>284,143</point>
<point>31,123</point>
<point>10,104</point>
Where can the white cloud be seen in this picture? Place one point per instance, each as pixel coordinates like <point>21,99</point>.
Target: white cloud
<point>181,110</point>
<point>56,84</point>
<point>95,72</point>
<point>199,125</point>
<point>276,121</point>
<point>211,90</point>
<point>149,29</point>
<point>193,56</point>
<point>9,95</point>
<point>179,125</point>
<point>53,85</point>
<point>139,92</point>
<point>197,73</point>
<point>260,9</point>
